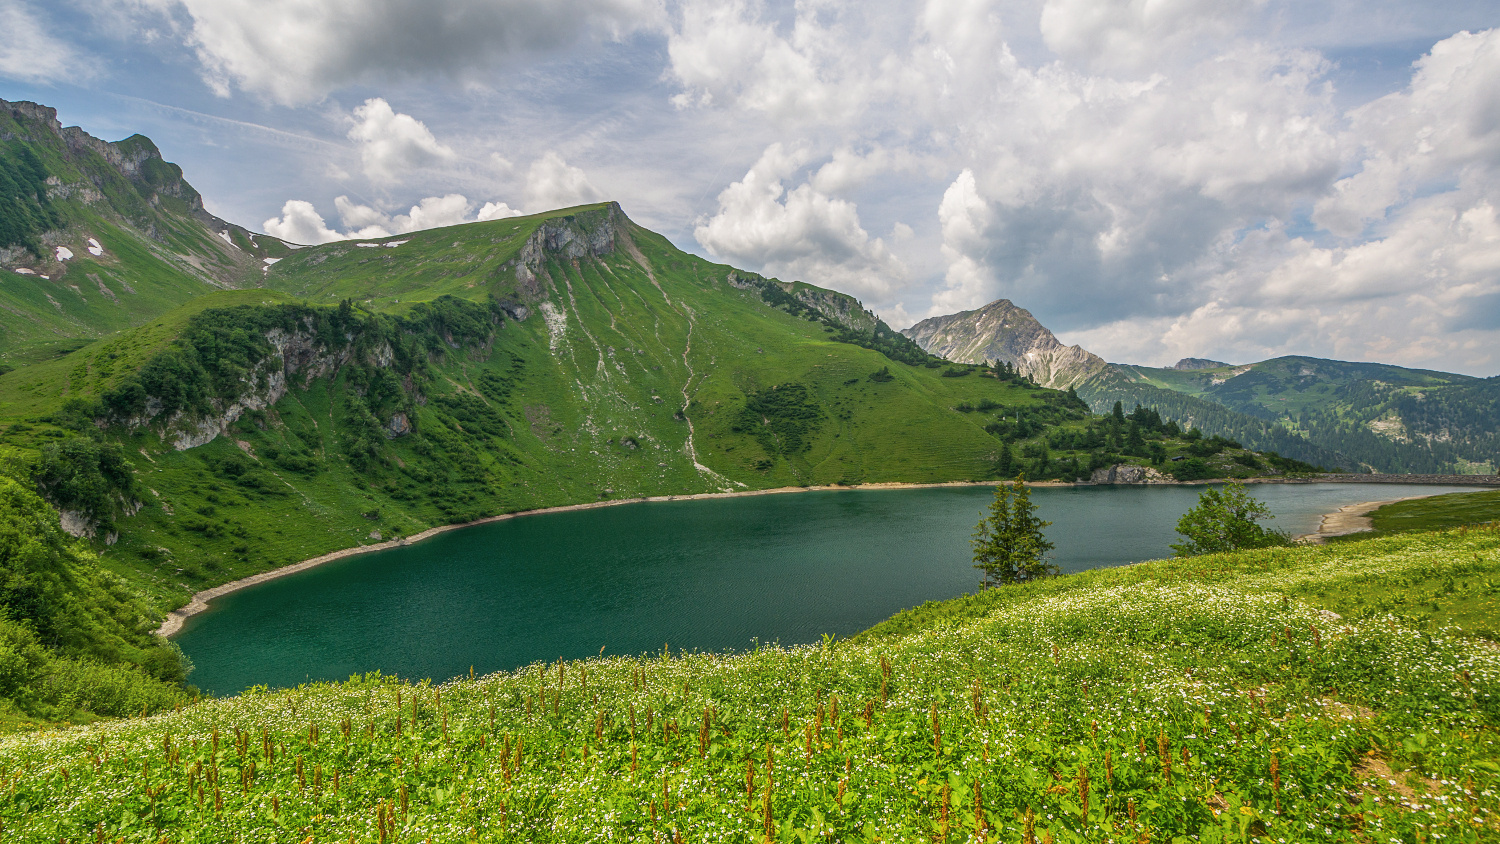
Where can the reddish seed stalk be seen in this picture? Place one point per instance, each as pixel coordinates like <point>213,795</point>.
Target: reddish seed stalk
<point>1083,792</point>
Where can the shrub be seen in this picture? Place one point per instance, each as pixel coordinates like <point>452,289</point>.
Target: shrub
<point>1225,520</point>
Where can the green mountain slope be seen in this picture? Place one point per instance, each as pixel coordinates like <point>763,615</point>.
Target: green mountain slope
<point>96,237</point>
<point>1112,385</point>
<point>542,361</point>
<point>1382,417</point>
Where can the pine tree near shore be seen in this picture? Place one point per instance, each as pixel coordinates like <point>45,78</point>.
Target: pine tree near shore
<point>1008,543</point>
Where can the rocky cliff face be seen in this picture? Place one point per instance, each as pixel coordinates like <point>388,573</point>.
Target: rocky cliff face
<point>592,232</point>
<point>136,158</point>
<point>130,181</point>
<point>838,307</point>
<point>1124,473</point>
<point>1002,332</point>
<point>298,353</point>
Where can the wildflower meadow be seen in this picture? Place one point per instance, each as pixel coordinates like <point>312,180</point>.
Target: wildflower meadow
<point>1205,699</point>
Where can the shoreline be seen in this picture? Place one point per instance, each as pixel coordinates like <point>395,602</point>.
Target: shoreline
<point>1350,519</point>
<point>198,603</point>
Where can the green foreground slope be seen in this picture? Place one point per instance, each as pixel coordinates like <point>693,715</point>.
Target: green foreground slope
<point>1208,697</point>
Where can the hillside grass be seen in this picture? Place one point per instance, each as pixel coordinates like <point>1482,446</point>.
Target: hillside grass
<point>1210,697</point>
<point>1438,512</point>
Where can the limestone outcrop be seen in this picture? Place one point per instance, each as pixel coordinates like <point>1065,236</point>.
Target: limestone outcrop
<point>1124,473</point>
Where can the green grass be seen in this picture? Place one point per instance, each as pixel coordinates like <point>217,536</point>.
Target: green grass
<point>1279,723</point>
<point>1438,512</point>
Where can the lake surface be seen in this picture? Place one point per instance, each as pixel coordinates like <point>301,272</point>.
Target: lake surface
<point>707,575</point>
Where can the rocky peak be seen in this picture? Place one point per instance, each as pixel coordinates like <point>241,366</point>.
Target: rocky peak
<point>136,158</point>
<point>1002,332</point>
<point>1190,364</point>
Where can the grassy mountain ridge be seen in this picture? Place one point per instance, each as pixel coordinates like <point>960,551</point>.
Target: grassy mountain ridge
<point>1111,386</point>
<point>96,237</point>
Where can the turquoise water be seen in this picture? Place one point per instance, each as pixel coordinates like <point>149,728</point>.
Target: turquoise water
<point>707,575</point>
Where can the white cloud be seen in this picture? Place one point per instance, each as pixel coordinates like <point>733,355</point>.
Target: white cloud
<point>553,183</point>
<point>297,51</point>
<point>496,211</point>
<point>1446,122</point>
<point>801,233</point>
<point>30,53</point>
<point>723,52</point>
<point>1100,199</point>
<point>1132,34</point>
<point>965,218</point>
<point>300,222</point>
<point>391,144</point>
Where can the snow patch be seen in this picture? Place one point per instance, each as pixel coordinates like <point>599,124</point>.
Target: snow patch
<point>24,271</point>
<point>48,277</point>
<point>369,245</point>
<point>227,239</point>
<point>394,243</point>
<point>64,253</point>
<point>270,261</point>
<point>94,248</point>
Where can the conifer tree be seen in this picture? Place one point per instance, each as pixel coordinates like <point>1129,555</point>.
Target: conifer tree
<point>1008,543</point>
<point>1006,460</point>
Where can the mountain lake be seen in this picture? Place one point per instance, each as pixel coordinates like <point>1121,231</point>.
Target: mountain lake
<point>708,575</point>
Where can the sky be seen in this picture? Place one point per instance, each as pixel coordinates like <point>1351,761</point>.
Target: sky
<point>1152,179</point>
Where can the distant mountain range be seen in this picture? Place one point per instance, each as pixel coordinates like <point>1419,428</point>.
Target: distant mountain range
<point>1359,416</point>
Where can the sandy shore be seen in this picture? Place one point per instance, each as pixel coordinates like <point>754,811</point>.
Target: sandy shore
<point>1351,519</point>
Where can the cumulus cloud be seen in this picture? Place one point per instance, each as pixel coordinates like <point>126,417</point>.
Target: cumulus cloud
<point>1111,199</point>
<point>1173,180</point>
<point>300,222</point>
<point>391,144</point>
<point>1132,34</point>
<point>30,53</point>
<point>297,51</point>
<point>553,183</point>
<point>800,233</point>
<point>725,52</point>
<point>496,211</point>
<point>1445,123</point>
